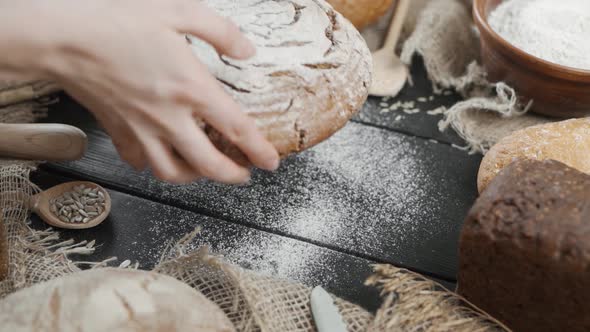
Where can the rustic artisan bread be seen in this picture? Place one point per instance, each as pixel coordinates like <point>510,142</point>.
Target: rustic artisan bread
<point>565,141</point>
<point>113,300</point>
<point>361,12</point>
<point>310,75</point>
<point>525,248</point>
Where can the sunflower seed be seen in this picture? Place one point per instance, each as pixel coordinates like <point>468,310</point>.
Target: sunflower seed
<point>83,213</point>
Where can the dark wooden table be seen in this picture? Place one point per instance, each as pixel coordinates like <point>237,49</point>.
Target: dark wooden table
<point>388,188</point>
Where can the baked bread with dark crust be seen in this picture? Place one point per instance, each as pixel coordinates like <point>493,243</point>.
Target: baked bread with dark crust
<point>525,248</point>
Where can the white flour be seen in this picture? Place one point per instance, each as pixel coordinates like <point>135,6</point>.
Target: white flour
<point>556,31</point>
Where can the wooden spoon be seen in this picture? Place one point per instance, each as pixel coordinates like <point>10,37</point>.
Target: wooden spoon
<point>389,73</point>
<point>40,204</point>
<point>40,141</point>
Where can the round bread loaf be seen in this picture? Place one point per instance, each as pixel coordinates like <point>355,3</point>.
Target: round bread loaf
<point>310,75</point>
<point>362,12</point>
<point>566,141</point>
<point>112,300</point>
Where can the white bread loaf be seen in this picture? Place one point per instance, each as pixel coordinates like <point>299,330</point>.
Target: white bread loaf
<point>310,75</point>
<point>113,300</point>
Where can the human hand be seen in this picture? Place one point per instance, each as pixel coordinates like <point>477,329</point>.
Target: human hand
<point>128,62</point>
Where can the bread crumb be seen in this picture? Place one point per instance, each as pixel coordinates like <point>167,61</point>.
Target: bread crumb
<point>408,105</point>
<point>422,99</point>
<point>396,106</point>
<point>436,111</point>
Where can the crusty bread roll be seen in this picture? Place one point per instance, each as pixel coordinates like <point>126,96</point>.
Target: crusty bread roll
<point>566,141</point>
<point>113,300</point>
<point>361,12</point>
<point>310,75</point>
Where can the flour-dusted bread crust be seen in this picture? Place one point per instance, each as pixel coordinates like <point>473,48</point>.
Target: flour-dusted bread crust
<point>362,12</point>
<point>566,141</point>
<point>113,300</point>
<point>310,75</point>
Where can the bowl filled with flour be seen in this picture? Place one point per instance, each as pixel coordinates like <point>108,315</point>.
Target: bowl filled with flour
<point>541,48</point>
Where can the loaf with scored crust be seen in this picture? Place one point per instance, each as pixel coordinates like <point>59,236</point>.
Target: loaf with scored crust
<point>310,75</point>
<point>113,300</point>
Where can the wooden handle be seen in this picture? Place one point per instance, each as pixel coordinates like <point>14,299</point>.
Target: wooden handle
<point>397,22</point>
<point>51,142</point>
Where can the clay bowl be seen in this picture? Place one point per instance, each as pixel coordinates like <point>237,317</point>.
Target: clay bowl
<point>556,90</point>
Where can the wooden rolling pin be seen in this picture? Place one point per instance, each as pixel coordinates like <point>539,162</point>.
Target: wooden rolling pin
<point>37,141</point>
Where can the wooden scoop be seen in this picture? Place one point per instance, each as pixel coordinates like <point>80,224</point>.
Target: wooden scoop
<point>40,204</point>
<point>39,141</point>
<point>389,73</point>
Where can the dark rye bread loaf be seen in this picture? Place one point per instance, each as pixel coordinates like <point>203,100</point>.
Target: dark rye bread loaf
<point>525,248</point>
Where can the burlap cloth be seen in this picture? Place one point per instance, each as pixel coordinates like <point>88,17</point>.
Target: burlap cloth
<point>442,34</point>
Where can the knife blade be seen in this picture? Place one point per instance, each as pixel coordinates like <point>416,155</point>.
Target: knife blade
<point>325,313</point>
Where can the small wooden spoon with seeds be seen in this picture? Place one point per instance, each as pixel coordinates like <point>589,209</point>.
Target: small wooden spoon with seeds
<point>84,195</point>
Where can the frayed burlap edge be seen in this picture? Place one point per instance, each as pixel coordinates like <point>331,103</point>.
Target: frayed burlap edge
<point>445,38</point>
<point>33,256</point>
<point>256,302</point>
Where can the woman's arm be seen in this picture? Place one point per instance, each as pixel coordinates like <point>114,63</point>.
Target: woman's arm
<point>128,62</point>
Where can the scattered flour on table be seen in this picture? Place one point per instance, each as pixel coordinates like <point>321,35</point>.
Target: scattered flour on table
<point>556,31</point>
<point>364,190</point>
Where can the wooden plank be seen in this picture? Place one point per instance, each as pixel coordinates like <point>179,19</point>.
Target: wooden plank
<point>368,192</point>
<point>376,110</point>
<point>139,230</point>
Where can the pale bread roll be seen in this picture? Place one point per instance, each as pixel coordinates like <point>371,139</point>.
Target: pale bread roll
<point>310,75</point>
<point>362,12</point>
<point>113,300</point>
<point>566,141</point>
